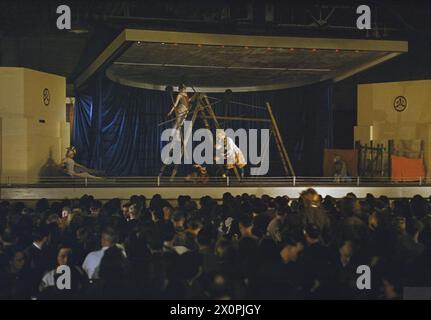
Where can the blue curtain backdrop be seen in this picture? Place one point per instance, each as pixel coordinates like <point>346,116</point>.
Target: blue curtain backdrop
<point>115,126</point>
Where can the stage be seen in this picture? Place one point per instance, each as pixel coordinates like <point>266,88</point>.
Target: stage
<point>124,187</point>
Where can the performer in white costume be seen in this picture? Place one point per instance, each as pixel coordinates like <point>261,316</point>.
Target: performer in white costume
<point>233,154</point>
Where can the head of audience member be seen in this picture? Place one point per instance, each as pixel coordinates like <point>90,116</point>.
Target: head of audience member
<point>375,220</point>
<point>178,219</point>
<point>167,210</point>
<point>113,207</point>
<point>142,201</point>
<point>227,198</point>
<point>311,234</point>
<point>419,207</point>
<point>245,223</point>
<point>155,201</point>
<point>134,199</point>
<point>181,202</point>
<point>400,225</point>
<point>157,215</point>
<point>41,236</point>
<point>206,237</point>
<point>125,210</point>
<point>225,251</point>
<point>83,235</point>
<point>42,205</point>
<point>15,260</point>
<point>260,225</point>
<point>108,238</point>
<point>329,203</point>
<point>8,237</point>
<point>310,198</point>
<point>191,205</point>
<point>134,211</point>
<point>194,225</point>
<point>292,244</point>
<point>384,201</point>
<point>64,255</point>
<point>350,206</point>
<point>95,208</point>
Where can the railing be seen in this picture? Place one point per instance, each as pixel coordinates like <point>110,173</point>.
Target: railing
<point>69,182</point>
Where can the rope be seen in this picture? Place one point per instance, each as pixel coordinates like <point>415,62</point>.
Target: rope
<point>248,105</point>
<point>182,113</point>
<point>239,103</point>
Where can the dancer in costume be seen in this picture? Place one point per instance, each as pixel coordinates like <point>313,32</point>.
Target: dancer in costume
<point>181,106</point>
<point>233,154</point>
<point>73,168</point>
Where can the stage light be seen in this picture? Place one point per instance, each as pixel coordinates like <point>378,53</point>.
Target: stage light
<point>292,49</point>
<point>162,43</point>
<point>314,50</point>
<point>268,49</point>
<point>139,42</point>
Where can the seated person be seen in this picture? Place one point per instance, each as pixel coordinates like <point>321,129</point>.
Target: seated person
<point>339,169</point>
<point>75,169</point>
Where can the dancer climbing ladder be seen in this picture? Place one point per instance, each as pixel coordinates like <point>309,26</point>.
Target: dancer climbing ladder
<point>181,106</point>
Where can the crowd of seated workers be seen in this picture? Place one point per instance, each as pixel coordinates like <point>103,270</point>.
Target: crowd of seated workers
<point>239,247</point>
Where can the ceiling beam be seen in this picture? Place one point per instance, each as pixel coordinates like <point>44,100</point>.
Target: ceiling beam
<point>365,66</point>
<point>264,41</point>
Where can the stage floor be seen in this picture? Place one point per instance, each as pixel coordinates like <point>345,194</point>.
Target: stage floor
<point>123,188</point>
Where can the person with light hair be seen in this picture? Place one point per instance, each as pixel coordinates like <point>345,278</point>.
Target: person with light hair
<point>339,169</point>
<point>232,153</point>
<point>74,169</point>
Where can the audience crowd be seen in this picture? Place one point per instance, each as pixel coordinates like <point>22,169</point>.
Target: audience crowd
<point>241,247</point>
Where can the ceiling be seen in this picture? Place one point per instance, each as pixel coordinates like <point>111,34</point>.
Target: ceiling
<point>29,36</point>
<point>156,65</point>
<point>214,62</point>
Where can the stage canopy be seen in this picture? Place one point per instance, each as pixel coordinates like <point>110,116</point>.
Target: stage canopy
<point>120,103</point>
<point>213,62</point>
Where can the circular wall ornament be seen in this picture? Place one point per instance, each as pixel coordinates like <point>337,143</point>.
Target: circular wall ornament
<point>46,97</point>
<point>400,103</point>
